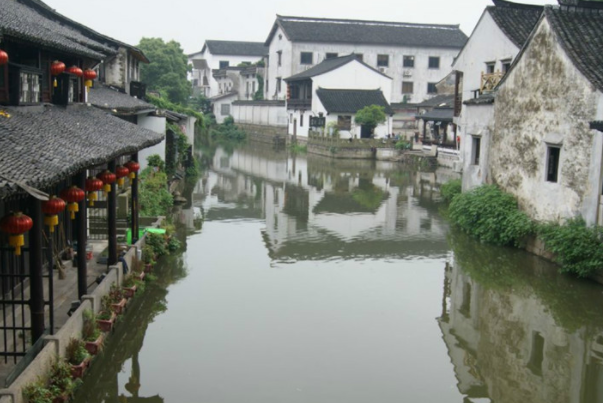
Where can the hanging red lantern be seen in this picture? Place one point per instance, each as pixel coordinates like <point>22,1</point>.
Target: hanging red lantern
<point>51,208</point>
<point>73,196</point>
<point>121,172</point>
<point>56,68</point>
<point>92,186</point>
<point>3,57</point>
<point>133,167</point>
<point>75,70</point>
<point>16,224</point>
<point>89,75</point>
<point>108,178</point>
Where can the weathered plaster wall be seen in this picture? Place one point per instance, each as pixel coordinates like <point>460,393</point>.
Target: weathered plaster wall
<point>156,124</point>
<point>479,124</point>
<point>115,69</point>
<point>546,100</point>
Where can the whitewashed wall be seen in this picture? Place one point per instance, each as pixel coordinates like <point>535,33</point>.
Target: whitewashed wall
<point>156,124</point>
<point>257,113</point>
<point>481,118</point>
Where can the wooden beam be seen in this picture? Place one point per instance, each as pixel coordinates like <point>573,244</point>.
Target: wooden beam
<point>82,239</point>
<point>36,257</point>
<point>112,217</point>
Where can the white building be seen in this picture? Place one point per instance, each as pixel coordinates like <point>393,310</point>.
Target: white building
<point>241,83</point>
<point>416,56</point>
<point>217,55</point>
<point>336,89</point>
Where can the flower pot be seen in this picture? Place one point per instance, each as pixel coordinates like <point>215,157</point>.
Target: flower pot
<point>148,267</point>
<point>94,347</point>
<point>129,291</point>
<point>61,399</point>
<point>77,371</point>
<point>119,307</point>
<point>105,325</point>
<point>140,275</point>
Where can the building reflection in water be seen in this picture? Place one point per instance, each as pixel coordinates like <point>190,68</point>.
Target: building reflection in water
<point>315,207</point>
<point>516,331</point>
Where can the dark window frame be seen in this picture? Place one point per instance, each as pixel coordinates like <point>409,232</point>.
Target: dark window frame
<point>431,88</point>
<point>408,61</point>
<point>553,159</point>
<point>434,62</point>
<point>331,55</point>
<point>382,60</point>
<point>476,146</point>
<point>224,64</point>
<point>412,87</point>
<point>306,58</point>
<point>344,122</point>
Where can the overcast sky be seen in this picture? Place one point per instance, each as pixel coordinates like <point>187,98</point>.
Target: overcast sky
<point>191,22</point>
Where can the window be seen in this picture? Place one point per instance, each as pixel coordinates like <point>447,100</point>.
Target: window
<point>344,122</point>
<point>382,60</point>
<point>301,120</point>
<point>278,85</point>
<point>224,64</point>
<point>506,65</point>
<point>407,87</point>
<point>253,86</point>
<point>552,163</point>
<point>279,56</point>
<point>331,55</point>
<point>225,109</point>
<point>267,86</point>
<point>475,150</point>
<point>434,62</point>
<point>306,58</point>
<point>359,56</point>
<point>30,88</point>
<point>408,61</point>
<point>431,88</point>
<point>489,67</point>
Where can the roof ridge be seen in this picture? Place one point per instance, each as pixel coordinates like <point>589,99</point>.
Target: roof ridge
<point>228,41</point>
<point>510,4</point>
<point>367,22</point>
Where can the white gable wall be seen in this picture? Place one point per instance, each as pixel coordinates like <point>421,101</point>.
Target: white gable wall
<point>274,70</point>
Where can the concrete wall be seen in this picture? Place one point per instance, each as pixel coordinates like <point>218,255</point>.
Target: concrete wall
<point>545,101</point>
<point>259,113</point>
<point>121,69</point>
<point>156,124</point>
<point>279,43</point>
<point>480,121</point>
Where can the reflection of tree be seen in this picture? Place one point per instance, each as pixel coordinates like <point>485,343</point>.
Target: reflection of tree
<point>368,195</point>
<point>127,340</point>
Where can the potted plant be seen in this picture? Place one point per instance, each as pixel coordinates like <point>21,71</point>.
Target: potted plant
<point>148,257</point>
<point>118,301</point>
<point>77,356</point>
<point>91,333</point>
<point>37,392</point>
<point>129,287</point>
<point>60,382</point>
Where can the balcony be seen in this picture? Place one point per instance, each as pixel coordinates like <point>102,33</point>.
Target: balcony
<point>299,103</point>
<point>489,81</point>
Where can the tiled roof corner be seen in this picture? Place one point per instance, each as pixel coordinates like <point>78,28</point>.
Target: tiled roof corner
<point>236,48</point>
<point>351,101</point>
<point>515,20</point>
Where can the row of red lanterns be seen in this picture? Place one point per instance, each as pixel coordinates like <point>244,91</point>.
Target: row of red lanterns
<point>17,224</point>
<point>58,67</point>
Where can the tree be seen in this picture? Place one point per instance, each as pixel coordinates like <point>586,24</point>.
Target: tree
<point>167,72</point>
<point>370,116</point>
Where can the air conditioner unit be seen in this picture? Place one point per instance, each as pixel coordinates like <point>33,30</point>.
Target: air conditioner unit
<point>407,73</point>
<point>383,70</point>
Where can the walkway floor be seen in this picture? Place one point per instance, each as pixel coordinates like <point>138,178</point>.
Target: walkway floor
<point>65,292</point>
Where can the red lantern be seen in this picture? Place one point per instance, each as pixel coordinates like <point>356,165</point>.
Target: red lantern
<point>89,75</point>
<point>51,208</point>
<point>73,196</point>
<point>108,178</point>
<point>16,224</point>
<point>3,57</point>
<point>75,70</point>
<point>56,68</point>
<point>133,167</point>
<point>121,172</point>
<point>92,185</point>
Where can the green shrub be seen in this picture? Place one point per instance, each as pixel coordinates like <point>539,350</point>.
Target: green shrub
<point>403,145</point>
<point>578,248</point>
<point>490,215</point>
<point>451,189</point>
<point>154,197</point>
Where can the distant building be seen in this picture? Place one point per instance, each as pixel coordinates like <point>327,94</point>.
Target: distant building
<point>336,89</point>
<point>416,56</point>
<point>240,83</point>
<point>216,55</point>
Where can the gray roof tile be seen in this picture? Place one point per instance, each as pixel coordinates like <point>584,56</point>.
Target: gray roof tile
<point>108,98</point>
<point>43,145</point>
<point>236,48</point>
<point>328,65</point>
<point>515,20</point>
<point>351,101</point>
<point>303,29</point>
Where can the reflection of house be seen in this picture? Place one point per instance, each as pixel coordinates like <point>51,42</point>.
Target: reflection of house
<point>337,88</point>
<point>417,56</point>
<point>541,144</point>
<point>216,55</point>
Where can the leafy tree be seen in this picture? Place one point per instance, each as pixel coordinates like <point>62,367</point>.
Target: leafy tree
<point>167,72</point>
<point>370,116</point>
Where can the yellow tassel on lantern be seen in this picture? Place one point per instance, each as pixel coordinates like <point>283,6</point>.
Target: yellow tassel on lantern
<point>91,198</point>
<point>88,83</point>
<point>107,188</point>
<point>16,241</point>
<point>132,175</point>
<point>73,208</point>
<point>51,221</point>
<point>121,181</point>
<point>54,83</point>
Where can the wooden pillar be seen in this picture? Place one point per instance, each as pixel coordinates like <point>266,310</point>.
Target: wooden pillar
<point>424,130</point>
<point>112,218</point>
<point>82,239</point>
<point>36,300</point>
<point>134,208</point>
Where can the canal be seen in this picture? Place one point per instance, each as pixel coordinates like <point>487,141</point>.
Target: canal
<point>317,280</point>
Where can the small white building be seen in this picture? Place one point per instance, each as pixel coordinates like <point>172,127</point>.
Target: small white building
<point>216,55</point>
<point>242,83</point>
<point>336,89</point>
<point>416,56</point>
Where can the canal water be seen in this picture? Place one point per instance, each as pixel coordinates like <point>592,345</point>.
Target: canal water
<point>317,280</point>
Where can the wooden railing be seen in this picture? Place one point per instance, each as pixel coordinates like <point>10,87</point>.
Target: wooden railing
<point>489,81</point>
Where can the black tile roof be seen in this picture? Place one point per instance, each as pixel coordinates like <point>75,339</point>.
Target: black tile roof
<point>303,29</point>
<point>483,99</point>
<point>439,100</point>
<point>514,19</point>
<point>328,65</point>
<point>108,98</point>
<point>438,115</point>
<point>223,96</point>
<point>581,36</point>
<point>235,48</point>
<point>264,102</point>
<point>351,101</point>
<point>43,145</point>
<point>22,22</point>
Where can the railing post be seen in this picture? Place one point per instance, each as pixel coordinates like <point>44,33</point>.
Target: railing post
<point>36,302</point>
